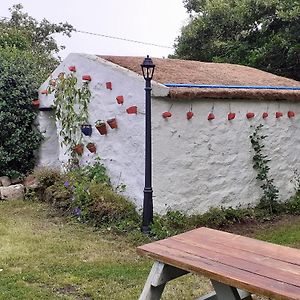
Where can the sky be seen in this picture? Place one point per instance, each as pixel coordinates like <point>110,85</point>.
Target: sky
<point>152,21</point>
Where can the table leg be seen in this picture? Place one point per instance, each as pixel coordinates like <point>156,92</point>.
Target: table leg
<point>159,275</point>
<point>226,292</point>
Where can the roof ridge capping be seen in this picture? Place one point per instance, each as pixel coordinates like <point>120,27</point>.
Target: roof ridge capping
<point>213,74</point>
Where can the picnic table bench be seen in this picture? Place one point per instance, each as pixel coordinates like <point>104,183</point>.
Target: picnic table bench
<point>237,266</point>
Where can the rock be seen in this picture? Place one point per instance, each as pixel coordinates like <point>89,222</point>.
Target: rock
<point>16,180</point>
<point>5,181</point>
<point>12,192</point>
<point>30,181</point>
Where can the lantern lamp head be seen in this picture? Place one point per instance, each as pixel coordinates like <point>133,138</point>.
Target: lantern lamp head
<point>148,68</point>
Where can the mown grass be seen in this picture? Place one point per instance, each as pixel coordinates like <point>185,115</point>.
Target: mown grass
<point>43,256</point>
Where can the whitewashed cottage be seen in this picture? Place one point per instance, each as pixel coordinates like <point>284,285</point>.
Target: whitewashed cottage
<point>202,154</point>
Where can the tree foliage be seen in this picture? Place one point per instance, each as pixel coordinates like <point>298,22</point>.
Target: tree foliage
<point>259,33</point>
<point>26,59</point>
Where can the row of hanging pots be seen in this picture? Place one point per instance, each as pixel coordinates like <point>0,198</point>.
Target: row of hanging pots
<point>79,148</point>
<point>100,126</point>
<point>231,115</point>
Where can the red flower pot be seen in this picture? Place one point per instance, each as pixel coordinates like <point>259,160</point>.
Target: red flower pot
<point>132,110</point>
<point>210,116</point>
<point>120,99</point>
<point>265,115</point>
<point>91,147</point>
<point>278,114</point>
<point>44,92</point>
<point>291,114</point>
<point>166,114</point>
<point>78,149</point>
<point>250,115</point>
<point>86,78</point>
<point>231,116</point>
<point>112,123</point>
<point>102,128</point>
<point>36,103</point>
<point>109,85</point>
<point>72,68</point>
<point>189,115</point>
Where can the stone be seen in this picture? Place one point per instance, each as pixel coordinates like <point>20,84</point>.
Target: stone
<point>12,192</point>
<point>5,181</point>
<point>30,181</point>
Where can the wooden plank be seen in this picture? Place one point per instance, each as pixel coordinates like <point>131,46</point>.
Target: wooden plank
<point>227,274</point>
<point>239,253</point>
<point>278,252</point>
<point>272,272</point>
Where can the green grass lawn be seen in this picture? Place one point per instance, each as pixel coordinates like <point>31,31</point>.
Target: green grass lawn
<point>43,256</point>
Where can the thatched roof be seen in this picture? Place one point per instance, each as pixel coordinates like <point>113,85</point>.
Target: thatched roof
<point>195,72</point>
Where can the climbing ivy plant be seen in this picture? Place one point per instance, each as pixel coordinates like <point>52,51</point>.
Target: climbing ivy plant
<point>260,164</point>
<point>71,108</point>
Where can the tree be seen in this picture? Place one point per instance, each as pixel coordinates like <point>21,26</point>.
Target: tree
<point>26,59</point>
<point>259,33</point>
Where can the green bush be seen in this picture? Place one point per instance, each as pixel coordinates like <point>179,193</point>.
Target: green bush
<point>20,77</point>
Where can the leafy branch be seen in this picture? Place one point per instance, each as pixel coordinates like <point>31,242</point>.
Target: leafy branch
<point>71,107</point>
<point>260,164</point>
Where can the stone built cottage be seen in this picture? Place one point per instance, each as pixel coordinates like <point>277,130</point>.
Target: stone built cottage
<point>200,159</point>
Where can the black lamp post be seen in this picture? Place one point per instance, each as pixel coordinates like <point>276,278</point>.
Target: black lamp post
<point>148,70</point>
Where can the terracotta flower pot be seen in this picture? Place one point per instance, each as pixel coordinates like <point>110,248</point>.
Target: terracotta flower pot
<point>36,103</point>
<point>132,110</point>
<point>86,129</point>
<point>231,116</point>
<point>265,115</point>
<point>72,68</point>
<point>120,99</point>
<point>109,85</point>
<point>278,114</point>
<point>86,78</point>
<point>78,149</point>
<point>112,123</point>
<point>189,115</point>
<point>102,128</point>
<point>210,116</point>
<point>91,147</point>
<point>250,115</point>
<point>291,114</point>
<point>166,114</point>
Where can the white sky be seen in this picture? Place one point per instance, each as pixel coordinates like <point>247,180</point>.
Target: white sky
<point>153,21</point>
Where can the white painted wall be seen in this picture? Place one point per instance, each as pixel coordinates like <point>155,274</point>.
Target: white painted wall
<point>200,163</point>
<point>122,150</point>
<point>196,164</point>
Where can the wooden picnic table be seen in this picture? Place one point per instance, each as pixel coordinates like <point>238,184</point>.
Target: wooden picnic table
<point>237,266</point>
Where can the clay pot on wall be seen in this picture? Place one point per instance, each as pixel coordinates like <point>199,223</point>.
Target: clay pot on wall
<point>278,114</point>
<point>78,149</point>
<point>291,114</point>
<point>91,147</point>
<point>231,116</point>
<point>210,116</point>
<point>265,115</point>
<point>101,127</point>
<point>250,115</point>
<point>132,110</point>
<point>189,115</point>
<point>36,103</point>
<point>86,129</point>
<point>166,114</point>
<point>112,123</point>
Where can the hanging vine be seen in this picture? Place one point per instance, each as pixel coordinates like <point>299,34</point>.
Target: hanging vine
<point>260,164</point>
<point>71,108</point>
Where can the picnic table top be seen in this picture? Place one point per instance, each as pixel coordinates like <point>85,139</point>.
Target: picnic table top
<point>255,266</point>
